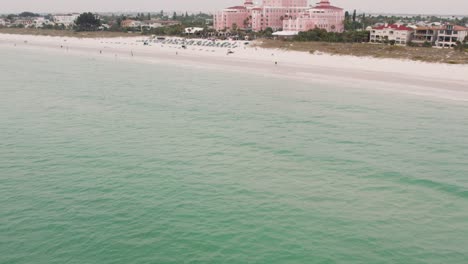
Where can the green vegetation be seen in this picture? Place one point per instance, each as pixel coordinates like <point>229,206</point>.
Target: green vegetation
<point>28,14</point>
<point>87,22</point>
<point>175,30</point>
<point>351,22</point>
<point>323,35</point>
<point>462,46</point>
<point>370,50</point>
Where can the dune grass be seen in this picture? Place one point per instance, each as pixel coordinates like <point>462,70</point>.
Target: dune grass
<point>436,55</point>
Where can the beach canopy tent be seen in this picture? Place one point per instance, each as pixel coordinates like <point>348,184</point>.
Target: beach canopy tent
<point>286,33</point>
<point>193,30</point>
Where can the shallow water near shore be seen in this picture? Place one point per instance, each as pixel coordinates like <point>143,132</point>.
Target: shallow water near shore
<point>109,161</point>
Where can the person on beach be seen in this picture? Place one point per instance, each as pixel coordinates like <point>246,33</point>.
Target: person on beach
<point>276,63</point>
<point>100,52</point>
<point>131,52</point>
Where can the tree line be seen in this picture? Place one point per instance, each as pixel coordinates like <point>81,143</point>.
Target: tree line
<point>318,34</point>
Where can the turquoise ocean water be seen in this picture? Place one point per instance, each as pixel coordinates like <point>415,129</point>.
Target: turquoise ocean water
<point>109,161</point>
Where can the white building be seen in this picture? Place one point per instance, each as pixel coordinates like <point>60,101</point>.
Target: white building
<point>153,24</point>
<point>449,35</point>
<point>66,20</point>
<point>398,34</point>
<point>129,23</point>
<point>41,21</point>
<point>26,22</point>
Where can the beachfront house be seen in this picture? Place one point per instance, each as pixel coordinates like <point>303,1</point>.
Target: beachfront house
<point>66,20</point>
<point>391,34</point>
<point>323,16</point>
<point>449,35</point>
<point>425,36</point>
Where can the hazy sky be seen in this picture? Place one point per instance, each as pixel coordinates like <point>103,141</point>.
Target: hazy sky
<point>395,6</point>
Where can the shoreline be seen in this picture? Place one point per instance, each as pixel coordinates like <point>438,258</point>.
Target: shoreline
<point>410,77</point>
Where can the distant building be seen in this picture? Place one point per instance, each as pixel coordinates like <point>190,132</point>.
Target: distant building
<point>168,23</point>
<point>65,19</point>
<point>153,24</point>
<point>129,23</point>
<point>290,15</point>
<point>4,22</point>
<point>268,15</point>
<point>24,22</point>
<point>323,16</point>
<point>398,34</point>
<point>449,35</point>
<point>104,27</point>
<point>41,22</point>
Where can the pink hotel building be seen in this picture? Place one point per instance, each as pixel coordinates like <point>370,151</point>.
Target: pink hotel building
<point>289,15</point>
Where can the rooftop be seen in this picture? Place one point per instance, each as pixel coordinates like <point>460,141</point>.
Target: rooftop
<point>394,27</point>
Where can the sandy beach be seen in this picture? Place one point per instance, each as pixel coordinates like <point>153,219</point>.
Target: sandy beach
<point>427,79</point>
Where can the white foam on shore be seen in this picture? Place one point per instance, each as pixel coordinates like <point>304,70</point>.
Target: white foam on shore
<point>418,78</point>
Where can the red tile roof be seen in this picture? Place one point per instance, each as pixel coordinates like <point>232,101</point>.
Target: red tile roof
<point>325,4</point>
<point>394,27</point>
<point>460,28</point>
<point>236,7</point>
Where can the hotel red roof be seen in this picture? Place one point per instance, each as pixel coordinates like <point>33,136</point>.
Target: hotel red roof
<point>237,7</point>
<point>394,27</point>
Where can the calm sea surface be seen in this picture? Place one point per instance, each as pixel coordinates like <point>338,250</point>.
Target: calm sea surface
<point>109,161</point>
